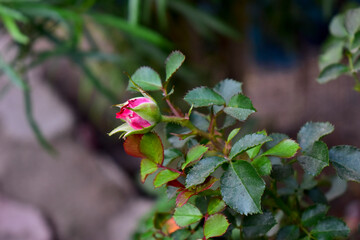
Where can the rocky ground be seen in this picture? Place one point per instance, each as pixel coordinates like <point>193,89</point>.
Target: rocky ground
<point>76,194</point>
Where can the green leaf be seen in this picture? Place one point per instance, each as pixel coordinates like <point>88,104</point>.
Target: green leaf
<point>262,165</point>
<point>151,146</point>
<point>242,188</point>
<point>330,228</point>
<point>276,139</point>
<point>352,20</point>
<point>194,154</point>
<point>215,226</point>
<point>146,78</point>
<point>313,214</point>
<point>338,188</point>
<point>200,171</point>
<point>346,160</point>
<point>181,234</point>
<point>291,232</point>
<point>147,167</point>
<point>164,177</point>
<point>356,43</point>
<point>14,30</point>
<point>203,96</point>
<point>215,205</point>
<point>253,152</point>
<point>258,225</point>
<point>186,215</point>
<point>247,142</point>
<point>315,159</point>
<point>240,107</point>
<point>332,53</point>
<point>337,26</point>
<point>171,154</point>
<point>311,132</point>
<point>199,120</point>
<point>332,72</point>
<point>173,63</point>
<point>227,88</point>
<point>232,134</point>
<point>284,149</point>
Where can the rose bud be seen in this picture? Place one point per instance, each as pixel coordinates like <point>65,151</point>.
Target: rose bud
<point>140,115</point>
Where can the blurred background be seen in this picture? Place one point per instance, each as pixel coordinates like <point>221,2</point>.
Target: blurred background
<point>63,63</point>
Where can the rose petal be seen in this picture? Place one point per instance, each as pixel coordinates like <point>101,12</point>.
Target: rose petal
<point>136,122</point>
<point>137,101</point>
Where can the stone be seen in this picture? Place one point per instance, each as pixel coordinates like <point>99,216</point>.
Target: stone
<point>19,221</point>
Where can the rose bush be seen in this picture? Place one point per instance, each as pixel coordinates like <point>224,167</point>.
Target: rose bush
<point>224,182</point>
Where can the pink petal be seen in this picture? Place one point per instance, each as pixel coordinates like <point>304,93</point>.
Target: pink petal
<point>136,122</point>
<point>137,101</point>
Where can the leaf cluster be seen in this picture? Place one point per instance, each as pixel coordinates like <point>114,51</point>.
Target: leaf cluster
<point>228,184</point>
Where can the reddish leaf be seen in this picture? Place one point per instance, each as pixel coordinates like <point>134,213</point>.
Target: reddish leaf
<point>186,194</point>
<point>171,226</point>
<point>132,145</point>
<point>183,197</point>
<point>176,183</point>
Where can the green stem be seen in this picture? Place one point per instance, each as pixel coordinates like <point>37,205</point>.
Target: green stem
<point>353,72</point>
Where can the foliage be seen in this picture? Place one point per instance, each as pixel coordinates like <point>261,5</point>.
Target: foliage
<point>227,184</point>
<point>341,53</point>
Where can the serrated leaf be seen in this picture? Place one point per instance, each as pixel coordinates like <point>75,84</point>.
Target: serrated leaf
<point>215,205</point>
<point>331,72</point>
<point>332,53</point>
<point>151,146</point>
<point>186,215</point>
<point>199,120</point>
<point>181,234</point>
<point>352,20</point>
<point>186,194</point>
<point>284,149</point>
<point>258,225</point>
<point>239,107</point>
<point>146,78</point>
<point>337,26</point>
<point>215,226</point>
<point>194,154</point>
<point>315,159</point>
<point>173,63</point>
<point>291,232</point>
<point>242,188</point>
<point>228,88</point>
<point>132,145</point>
<point>281,172</point>
<point>171,154</point>
<point>247,142</point>
<point>276,139</point>
<point>330,228</point>
<point>253,152</point>
<point>165,176</point>
<point>202,170</point>
<point>232,134</point>
<point>147,167</point>
<point>313,214</point>
<point>262,165</point>
<point>203,96</point>
<point>312,132</point>
<point>355,43</point>
<point>346,160</point>
<point>338,188</point>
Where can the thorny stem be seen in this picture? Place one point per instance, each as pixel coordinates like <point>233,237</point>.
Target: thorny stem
<point>171,106</point>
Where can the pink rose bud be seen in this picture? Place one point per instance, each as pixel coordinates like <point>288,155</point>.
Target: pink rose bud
<point>140,114</point>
